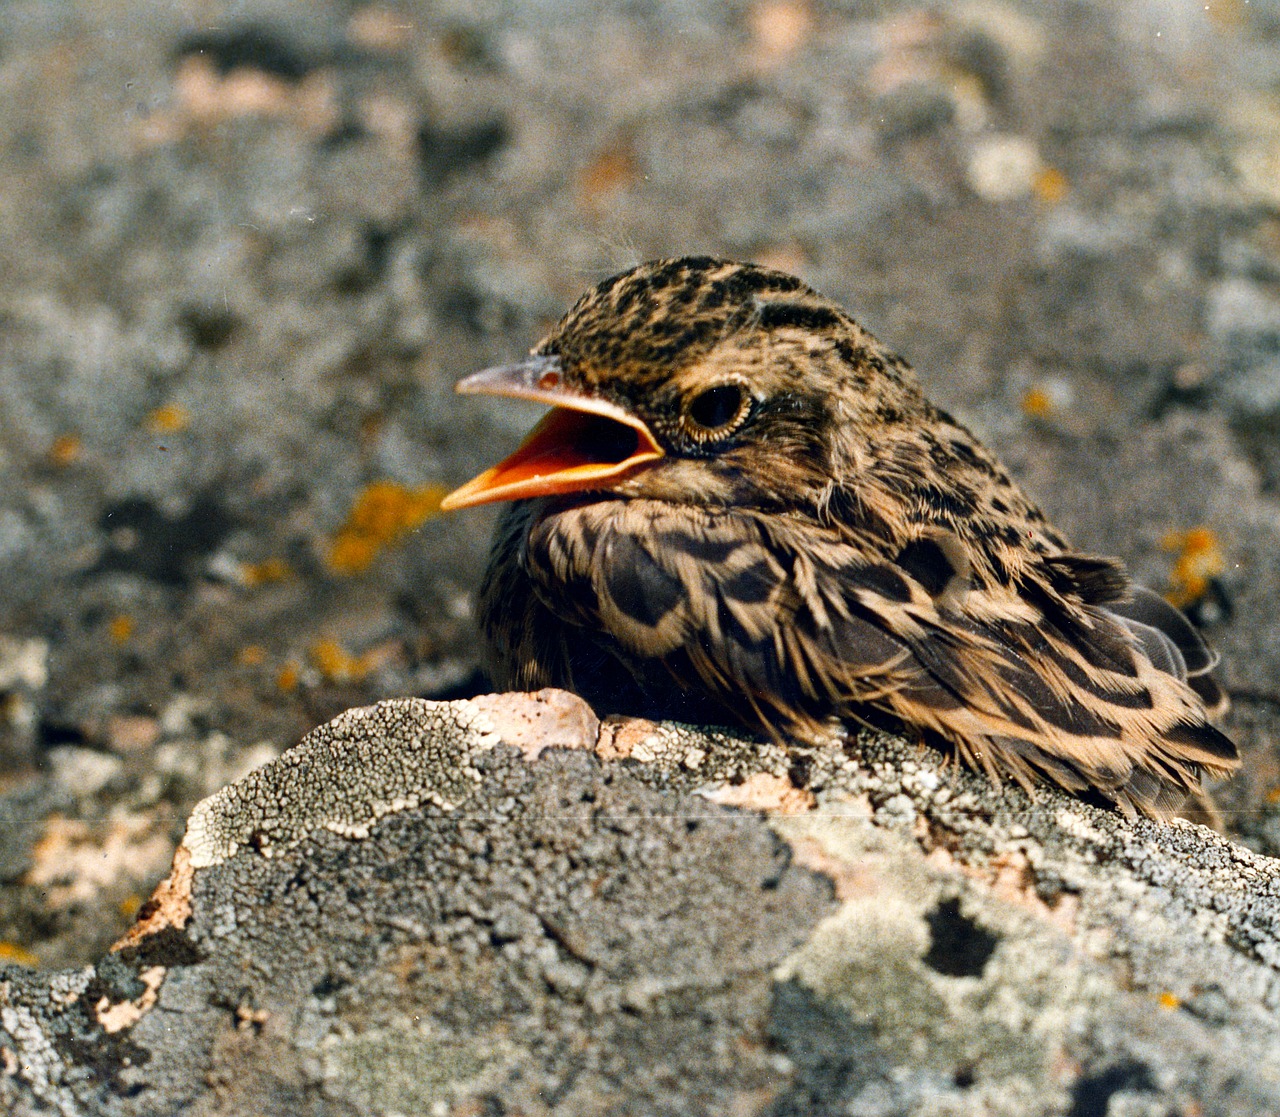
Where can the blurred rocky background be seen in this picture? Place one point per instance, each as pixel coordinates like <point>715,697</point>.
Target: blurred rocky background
<point>247,249</point>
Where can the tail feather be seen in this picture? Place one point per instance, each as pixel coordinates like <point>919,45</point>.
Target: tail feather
<point>1162,629</point>
<point>1163,653</point>
<point>1147,609</point>
<point>1053,700</point>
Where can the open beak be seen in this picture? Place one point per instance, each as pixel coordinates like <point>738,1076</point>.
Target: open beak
<point>582,443</point>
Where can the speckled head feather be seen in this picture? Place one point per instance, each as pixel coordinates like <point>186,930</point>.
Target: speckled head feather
<point>655,339</point>
<point>743,506</point>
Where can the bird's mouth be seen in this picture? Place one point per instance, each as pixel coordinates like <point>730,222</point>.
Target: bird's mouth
<point>582,443</point>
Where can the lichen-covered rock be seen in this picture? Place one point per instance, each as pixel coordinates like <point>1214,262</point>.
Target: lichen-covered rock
<point>250,249</point>
<point>504,905</point>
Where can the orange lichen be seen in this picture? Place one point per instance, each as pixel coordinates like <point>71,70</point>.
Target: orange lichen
<point>251,655</point>
<point>613,169</point>
<point>1169,1000</point>
<point>171,418</point>
<point>130,905</point>
<point>265,572</point>
<point>121,628</point>
<point>352,553</point>
<point>1049,185</point>
<point>336,664</point>
<point>287,678</point>
<point>1037,403</point>
<point>1200,560</point>
<point>12,952</point>
<point>65,450</point>
<point>383,513</point>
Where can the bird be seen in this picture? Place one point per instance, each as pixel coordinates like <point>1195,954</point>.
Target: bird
<point>742,508</point>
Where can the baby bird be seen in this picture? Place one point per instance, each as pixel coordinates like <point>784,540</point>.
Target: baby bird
<point>741,506</point>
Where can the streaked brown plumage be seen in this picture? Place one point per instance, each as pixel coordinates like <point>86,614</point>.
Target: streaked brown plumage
<point>743,506</point>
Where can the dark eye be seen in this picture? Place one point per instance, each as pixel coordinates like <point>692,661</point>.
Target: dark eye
<point>717,408</point>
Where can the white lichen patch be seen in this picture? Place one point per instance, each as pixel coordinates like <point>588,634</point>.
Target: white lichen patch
<point>23,663</point>
<point>116,1017</point>
<point>364,765</point>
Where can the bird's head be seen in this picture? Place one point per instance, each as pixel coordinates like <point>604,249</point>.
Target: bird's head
<point>696,381</point>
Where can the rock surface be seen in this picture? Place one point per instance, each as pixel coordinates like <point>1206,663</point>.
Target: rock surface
<point>504,906</point>
<point>248,250</point>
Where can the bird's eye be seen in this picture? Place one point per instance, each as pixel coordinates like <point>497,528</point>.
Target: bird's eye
<point>717,410</point>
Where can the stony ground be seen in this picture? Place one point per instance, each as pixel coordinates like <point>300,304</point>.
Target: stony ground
<point>248,249</point>
<point>425,908</point>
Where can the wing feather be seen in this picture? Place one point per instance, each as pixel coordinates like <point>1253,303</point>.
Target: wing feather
<point>786,624</point>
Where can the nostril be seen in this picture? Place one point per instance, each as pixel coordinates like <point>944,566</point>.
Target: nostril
<point>549,380</point>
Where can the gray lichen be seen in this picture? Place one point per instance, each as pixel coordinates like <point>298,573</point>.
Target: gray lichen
<point>658,918</point>
<point>363,765</point>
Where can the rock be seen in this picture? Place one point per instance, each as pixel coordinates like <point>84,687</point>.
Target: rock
<point>503,905</point>
<point>1002,168</point>
<point>1243,320</point>
<point>24,670</point>
<point>248,259</point>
